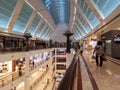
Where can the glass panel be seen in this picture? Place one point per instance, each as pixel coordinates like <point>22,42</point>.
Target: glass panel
<point>6,9</point>
<point>94,21</point>
<point>48,33</point>
<point>59,10</point>
<point>40,29</point>
<point>23,18</point>
<point>34,24</point>
<point>85,8</point>
<point>107,6</point>
<point>80,30</point>
<point>49,29</point>
<point>77,34</point>
<point>84,23</point>
<point>43,33</point>
<point>76,30</point>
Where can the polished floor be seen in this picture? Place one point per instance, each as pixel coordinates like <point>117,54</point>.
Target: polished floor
<point>107,77</point>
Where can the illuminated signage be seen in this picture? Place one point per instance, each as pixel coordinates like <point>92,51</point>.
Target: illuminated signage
<point>116,39</point>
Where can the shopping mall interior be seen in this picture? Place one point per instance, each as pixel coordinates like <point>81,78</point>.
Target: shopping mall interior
<point>50,44</point>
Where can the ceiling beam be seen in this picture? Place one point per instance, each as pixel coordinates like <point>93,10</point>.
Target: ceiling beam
<point>46,32</point>
<point>95,10</point>
<point>72,13</point>
<point>43,29</point>
<point>77,32</point>
<point>15,15</point>
<point>81,24</point>
<point>79,29</point>
<point>30,21</point>
<point>84,17</point>
<point>49,34</point>
<point>77,35</point>
<point>75,28</point>
<point>38,26</point>
<point>73,34</point>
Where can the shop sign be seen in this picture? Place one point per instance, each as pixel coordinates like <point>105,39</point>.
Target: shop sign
<point>116,39</point>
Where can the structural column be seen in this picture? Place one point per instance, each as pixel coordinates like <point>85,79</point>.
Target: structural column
<point>27,35</point>
<point>68,34</point>
<point>27,76</point>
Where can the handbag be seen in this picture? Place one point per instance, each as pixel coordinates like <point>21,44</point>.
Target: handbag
<point>93,57</point>
<point>104,58</point>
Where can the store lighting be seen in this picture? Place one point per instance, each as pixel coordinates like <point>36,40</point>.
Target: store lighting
<point>21,59</point>
<point>94,37</point>
<point>108,41</point>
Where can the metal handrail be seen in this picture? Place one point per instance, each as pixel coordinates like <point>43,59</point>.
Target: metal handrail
<point>72,76</point>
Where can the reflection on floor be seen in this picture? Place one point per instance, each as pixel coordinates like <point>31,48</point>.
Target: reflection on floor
<point>107,76</point>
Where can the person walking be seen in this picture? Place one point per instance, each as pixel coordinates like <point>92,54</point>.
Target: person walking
<point>99,51</point>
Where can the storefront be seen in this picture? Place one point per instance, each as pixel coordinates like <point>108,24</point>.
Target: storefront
<point>35,60</point>
<point>20,63</point>
<point>11,43</point>
<point>46,55</point>
<point>111,42</point>
<point>93,41</point>
<point>5,67</point>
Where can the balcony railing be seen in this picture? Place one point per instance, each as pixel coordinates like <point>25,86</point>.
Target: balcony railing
<point>72,77</point>
<point>6,79</point>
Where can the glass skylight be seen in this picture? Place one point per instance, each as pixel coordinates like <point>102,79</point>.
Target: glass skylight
<point>42,34</point>
<point>75,35</point>
<point>84,23</point>
<point>45,32</point>
<point>23,18</point>
<point>40,29</point>
<point>34,24</point>
<point>77,31</point>
<point>6,9</point>
<point>88,13</point>
<point>59,9</point>
<point>107,6</point>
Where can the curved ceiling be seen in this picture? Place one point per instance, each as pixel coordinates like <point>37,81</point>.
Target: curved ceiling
<point>49,19</point>
<point>59,10</point>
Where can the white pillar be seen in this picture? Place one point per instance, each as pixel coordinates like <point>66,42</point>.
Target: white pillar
<point>27,87</point>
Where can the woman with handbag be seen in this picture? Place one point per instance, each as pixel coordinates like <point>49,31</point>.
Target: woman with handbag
<point>99,50</point>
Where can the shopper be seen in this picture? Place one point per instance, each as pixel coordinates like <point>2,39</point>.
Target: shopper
<point>20,72</point>
<point>99,51</point>
<point>33,63</point>
<point>81,50</point>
